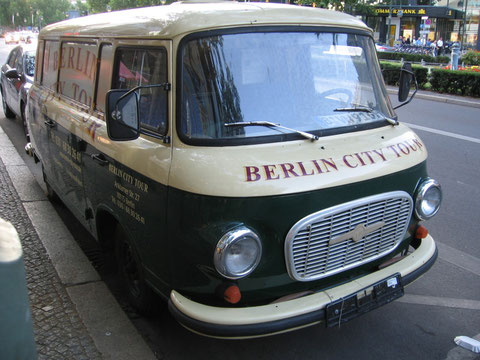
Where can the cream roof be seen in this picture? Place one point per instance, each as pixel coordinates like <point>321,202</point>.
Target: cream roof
<point>184,17</point>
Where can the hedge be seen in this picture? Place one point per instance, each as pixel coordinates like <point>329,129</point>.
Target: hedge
<point>471,58</point>
<point>413,57</point>
<point>465,83</point>
<point>392,75</point>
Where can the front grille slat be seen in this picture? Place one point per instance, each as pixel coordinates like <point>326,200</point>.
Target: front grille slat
<point>309,254</point>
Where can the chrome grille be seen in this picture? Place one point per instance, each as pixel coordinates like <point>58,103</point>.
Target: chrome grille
<point>346,236</point>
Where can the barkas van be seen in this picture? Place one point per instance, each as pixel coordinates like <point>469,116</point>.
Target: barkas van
<point>243,160</point>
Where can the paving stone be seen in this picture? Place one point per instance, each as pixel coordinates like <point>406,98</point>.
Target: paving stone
<point>59,331</point>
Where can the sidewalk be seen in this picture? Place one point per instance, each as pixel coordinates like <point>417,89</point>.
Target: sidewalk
<point>74,314</point>
<point>446,98</point>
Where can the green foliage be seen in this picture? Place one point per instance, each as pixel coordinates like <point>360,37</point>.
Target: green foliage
<point>471,58</point>
<point>391,74</point>
<point>456,82</point>
<point>363,7</point>
<point>24,10</point>
<point>413,57</point>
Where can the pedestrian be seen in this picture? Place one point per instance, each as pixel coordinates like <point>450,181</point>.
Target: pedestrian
<point>440,46</point>
<point>408,42</point>
<point>433,47</point>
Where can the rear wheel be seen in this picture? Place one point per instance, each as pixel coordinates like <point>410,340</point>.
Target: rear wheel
<point>6,110</point>
<point>139,294</point>
<point>51,194</point>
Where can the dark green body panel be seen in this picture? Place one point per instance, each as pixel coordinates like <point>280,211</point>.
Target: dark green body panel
<point>175,232</point>
<point>196,223</point>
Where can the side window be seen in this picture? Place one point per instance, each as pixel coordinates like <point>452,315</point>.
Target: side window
<point>12,58</point>
<point>77,71</point>
<point>50,64</point>
<point>39,62</point>
<point>104,76</point>
<point>19,64</point>
<point>147,66</point>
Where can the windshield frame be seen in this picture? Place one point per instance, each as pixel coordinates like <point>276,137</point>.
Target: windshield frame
<point>380,90</point>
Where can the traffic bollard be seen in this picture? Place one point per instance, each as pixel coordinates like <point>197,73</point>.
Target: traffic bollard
<point>16,330</point>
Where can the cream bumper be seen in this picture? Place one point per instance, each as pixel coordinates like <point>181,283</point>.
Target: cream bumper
<point>293,314</point>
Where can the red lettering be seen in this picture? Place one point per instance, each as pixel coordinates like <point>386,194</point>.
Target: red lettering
<point>71,54</point>
<point>330,163</point>
<point>413,147</point>
<point>367,153</point>
<point>252,173</point>
<point>270,173</point>
<point>78,67</point>
<point>304,172</point>
<point>359,158</point>
<point>347,163</point>
<point>392,147</point>
<point>379,152</point>
<point>75,88</point>
<point>403,148</point>
<point>84,98</point>
<point>288,170</point>
<point>418,143</point>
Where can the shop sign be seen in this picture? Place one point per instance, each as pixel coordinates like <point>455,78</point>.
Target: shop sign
<point>424,12</point>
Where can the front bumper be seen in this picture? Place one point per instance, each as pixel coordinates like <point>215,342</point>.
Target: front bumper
<point>294,314</point>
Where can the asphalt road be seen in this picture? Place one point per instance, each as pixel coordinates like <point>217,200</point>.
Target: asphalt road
<point>441,305</point>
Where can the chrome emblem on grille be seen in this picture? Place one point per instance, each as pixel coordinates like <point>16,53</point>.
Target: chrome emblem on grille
<point>358,233</point>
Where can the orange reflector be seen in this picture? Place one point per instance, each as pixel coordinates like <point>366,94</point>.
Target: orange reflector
<point>232,294</point>
<point>421,232</point>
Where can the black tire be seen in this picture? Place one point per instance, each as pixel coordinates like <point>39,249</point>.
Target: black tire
<point>24,121</point>
<point>6,110</point>
<point>139,294</point>
<point>51,194</point>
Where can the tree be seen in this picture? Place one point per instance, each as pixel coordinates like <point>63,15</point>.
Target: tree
<point>354,7</point>
<point>52,10</point>
<point>97,6</point>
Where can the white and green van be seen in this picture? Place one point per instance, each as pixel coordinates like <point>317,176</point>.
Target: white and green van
<point>243,160</point>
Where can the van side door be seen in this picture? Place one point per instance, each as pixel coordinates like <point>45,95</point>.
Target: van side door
<point>131,177</point>
<point>41,107</point>
<point>76,83</point>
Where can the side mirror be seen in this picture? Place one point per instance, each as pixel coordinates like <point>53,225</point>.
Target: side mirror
<point>122,115</point>
<point>407,76</point>
<point>405,83</point>
<point>12,74</point>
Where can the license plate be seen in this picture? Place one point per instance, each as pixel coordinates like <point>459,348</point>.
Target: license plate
<point>370,298</point>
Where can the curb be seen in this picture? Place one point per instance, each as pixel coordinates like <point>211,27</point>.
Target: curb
<point>111,330</point>
<point>440,98</point>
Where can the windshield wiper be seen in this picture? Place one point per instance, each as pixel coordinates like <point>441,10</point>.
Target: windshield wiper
<point>273,125</point>
<point>361,108</point>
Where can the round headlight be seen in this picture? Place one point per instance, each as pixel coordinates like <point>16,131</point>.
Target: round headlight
<point>429,198</point>
<point>237,253</point>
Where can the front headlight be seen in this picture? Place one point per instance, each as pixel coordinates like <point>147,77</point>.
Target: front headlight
<point>428,200</point>
<point>237,253</point>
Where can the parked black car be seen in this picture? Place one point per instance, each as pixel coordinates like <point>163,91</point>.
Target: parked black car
<point>15,80</point>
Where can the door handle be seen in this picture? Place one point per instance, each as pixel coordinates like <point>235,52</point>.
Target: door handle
<point>99,158</point>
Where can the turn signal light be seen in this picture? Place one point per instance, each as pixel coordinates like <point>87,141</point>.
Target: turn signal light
<point>232,294</point>
<point>421,232</point>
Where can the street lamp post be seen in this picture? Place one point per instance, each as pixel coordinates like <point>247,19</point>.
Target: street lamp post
<point>464,25</point>
<point>389,22</point>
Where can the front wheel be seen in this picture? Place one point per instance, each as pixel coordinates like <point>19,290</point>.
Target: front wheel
<point>139,294</point>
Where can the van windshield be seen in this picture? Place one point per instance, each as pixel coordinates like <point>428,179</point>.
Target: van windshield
<point>317,82</point>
